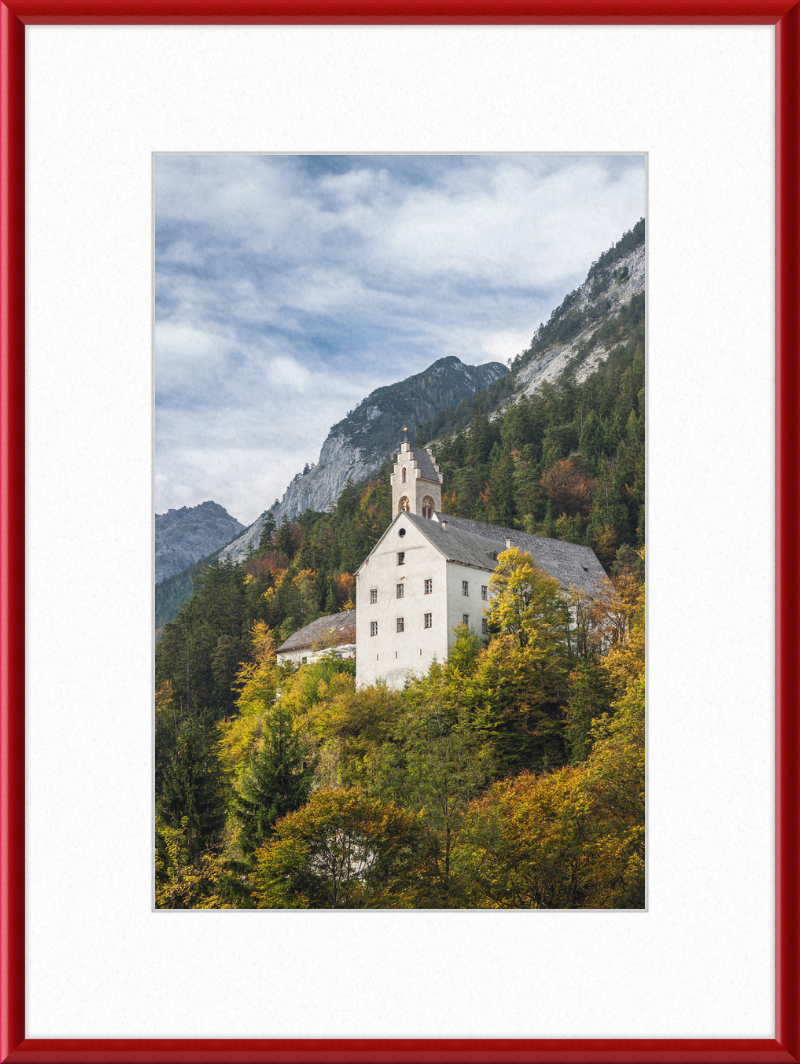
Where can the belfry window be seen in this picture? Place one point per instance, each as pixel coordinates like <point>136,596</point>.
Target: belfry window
<point>404,505</point>
<point>428,507</point>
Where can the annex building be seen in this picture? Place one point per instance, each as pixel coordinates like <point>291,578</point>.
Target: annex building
<point>429,573</point>
<point>336,632</point>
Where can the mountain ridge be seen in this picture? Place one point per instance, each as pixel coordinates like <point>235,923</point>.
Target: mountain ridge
<point>357,446</point>
<point>185,535</point>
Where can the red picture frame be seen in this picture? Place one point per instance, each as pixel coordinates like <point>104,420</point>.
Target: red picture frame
<point>14,15</point>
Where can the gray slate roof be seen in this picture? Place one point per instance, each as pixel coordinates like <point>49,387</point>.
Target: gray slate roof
<point>427,470</point>
<point>473,542</point>
<point>342,624</point>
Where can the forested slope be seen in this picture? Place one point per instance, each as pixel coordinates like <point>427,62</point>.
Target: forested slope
<point>510,776</point>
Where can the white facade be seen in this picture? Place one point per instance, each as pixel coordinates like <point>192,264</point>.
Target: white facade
<point>429,612</point>
<point>306,655</point>
<point>429,574</point>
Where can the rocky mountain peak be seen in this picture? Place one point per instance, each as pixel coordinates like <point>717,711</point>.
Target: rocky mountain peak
<point>184,536</point>
<point>360,443</point>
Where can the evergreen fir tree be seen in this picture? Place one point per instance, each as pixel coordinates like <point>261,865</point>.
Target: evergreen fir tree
<point>267,532</point>
<point>278,781</point>
<point>191,790</point>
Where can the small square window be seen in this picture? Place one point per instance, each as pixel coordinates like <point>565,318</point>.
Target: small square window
<point>484,592</point>
<point>485,626</point>
<point>401,590</point>
<point>303,661</point>
<point>465,587</point>
<point>401,558</point>
<point>373,594</point>
<point>428,587</point>
<point>401,624</point>
<point>429,620</point>
<point>465,620</point>
<point>373,627</point>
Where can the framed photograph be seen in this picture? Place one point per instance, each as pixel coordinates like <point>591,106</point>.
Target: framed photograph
<point>107,108</point>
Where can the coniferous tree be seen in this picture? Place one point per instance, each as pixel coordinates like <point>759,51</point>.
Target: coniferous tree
<point>190,795</point>
<point>267,532</point>
<point>277,782</point>
<point>590,696</point>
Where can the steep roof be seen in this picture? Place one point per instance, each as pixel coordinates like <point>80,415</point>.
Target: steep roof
<point>427,469</point>
<point>570,563</point>
<point>340,624</point>
<point>457,545</point>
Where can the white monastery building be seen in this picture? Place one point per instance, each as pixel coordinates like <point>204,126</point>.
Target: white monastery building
<point>429,573</point>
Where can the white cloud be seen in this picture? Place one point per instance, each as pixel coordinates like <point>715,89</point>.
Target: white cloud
<point>288,288</point>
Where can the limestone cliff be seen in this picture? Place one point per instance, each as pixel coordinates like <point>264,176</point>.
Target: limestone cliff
<point>357,446</point>
<point>583,333</point>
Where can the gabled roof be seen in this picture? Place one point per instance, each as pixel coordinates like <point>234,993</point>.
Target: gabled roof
<point>475,543</point>
<point>457,545</point>
<point>427,470</point>
<point>570,563</point>
<point>342,625</point>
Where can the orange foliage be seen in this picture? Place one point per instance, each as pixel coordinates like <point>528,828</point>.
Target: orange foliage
<point>345,584</point>
<point>568,488</point>
<point>271,560</point>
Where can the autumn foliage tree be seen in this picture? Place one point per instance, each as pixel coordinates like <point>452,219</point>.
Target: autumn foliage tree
<point>342,850</point>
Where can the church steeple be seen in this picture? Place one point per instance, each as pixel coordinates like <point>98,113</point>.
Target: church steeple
<point>416,481</point>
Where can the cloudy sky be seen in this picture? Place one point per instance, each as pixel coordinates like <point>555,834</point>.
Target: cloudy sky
<point>289,287</point>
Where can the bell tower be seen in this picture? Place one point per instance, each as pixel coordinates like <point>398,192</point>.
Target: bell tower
<point>416,481</point>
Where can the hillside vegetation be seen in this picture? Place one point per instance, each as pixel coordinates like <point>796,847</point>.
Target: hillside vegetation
<point>511,775</point>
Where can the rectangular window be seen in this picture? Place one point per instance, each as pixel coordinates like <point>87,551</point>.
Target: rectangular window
<point>303,661</point>
<point>465,587</point>
<point>485,626</point>
<point>373,594</point>
<point>484,592</point>
<point>465,620</point>
<point>401,558</point>
<point>401,624</point>
<point>429,620</point>
<point>373,627</point>
<point>428,587</point>
<point>400,590</point>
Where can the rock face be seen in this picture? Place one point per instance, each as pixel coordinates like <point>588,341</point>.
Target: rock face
<point>186,535</point>
<point>357,446</point>
<point>603,299</point>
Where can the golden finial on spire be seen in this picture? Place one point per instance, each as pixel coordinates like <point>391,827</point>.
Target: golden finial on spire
<point>405,433</point>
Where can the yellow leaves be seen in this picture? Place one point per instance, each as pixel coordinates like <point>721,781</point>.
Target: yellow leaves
<point>262,643</point>
<point>574,837</point>
<point>341,850</point>
<point>257,681</point>
<point>181,884</point>
<point>165,705</point>
<point>525,600</point>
